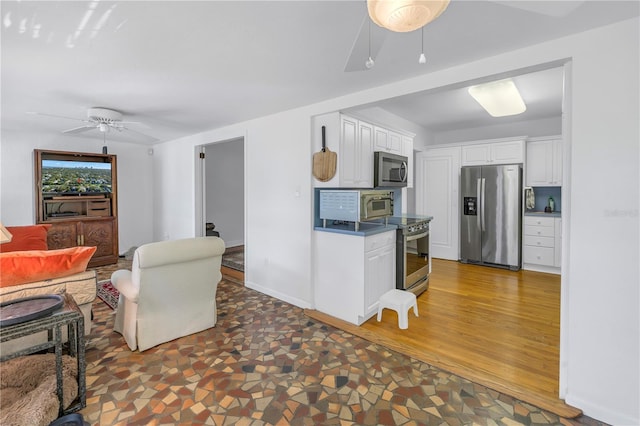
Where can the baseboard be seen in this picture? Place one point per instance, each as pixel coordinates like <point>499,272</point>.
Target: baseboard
<point>541,268</point>
<point>601,413</point>
<point>270,292</point>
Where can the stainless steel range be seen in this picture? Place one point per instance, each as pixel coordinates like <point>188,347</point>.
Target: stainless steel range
<point>413,262</point>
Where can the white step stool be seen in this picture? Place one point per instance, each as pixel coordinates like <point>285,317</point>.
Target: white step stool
<point>400,301</point>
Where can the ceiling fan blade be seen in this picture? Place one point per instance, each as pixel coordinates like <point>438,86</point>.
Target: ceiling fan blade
<point>139,133</point>
<point>360,49</point>
<point>78,129</point>
<point>554,9</point>
<point>58,116</point>
<point>136,123</point>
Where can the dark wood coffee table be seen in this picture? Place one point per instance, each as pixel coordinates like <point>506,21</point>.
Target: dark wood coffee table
<point>68,315</point>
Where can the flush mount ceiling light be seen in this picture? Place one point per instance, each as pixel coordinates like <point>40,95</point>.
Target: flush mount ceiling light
<point>405,15</point>
<point>499,98</point>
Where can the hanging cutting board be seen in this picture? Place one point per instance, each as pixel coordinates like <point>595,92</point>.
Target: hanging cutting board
<point>324,162</point>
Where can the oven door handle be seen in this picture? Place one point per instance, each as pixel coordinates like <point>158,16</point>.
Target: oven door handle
<point>417,237</point>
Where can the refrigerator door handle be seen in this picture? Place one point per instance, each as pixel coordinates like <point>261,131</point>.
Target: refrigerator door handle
<point>479,206</point>
<point>482,205</point>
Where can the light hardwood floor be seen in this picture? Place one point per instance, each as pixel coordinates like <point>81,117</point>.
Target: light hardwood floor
<point>495,327</point>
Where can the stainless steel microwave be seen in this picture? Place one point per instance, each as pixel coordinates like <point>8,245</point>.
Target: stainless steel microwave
<point>355,205</point>
<point>389,170</point>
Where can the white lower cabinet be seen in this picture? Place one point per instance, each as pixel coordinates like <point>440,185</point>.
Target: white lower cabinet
<point>541,243</point>
<point>352,273</point>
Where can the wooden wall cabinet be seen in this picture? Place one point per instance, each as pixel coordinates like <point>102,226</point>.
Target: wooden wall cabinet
<point>79,217</point>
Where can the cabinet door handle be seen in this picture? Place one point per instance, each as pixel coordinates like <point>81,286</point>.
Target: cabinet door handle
<point>82,238</point>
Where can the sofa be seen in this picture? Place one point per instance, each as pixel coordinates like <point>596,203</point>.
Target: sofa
<point>169,292</point>
<point>28,268</point>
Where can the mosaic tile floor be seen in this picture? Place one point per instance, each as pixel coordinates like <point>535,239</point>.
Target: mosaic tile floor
<point>266,363</point>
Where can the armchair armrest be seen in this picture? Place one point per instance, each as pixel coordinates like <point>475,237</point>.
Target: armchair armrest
<point>121,280</point>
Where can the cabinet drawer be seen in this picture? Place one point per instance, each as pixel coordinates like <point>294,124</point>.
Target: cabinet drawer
<point>379,240</point>
<point>535,241</point>
<point>539,255</point>
<point>539,221</point>
<point>99,208</point>
<point>539,231</point>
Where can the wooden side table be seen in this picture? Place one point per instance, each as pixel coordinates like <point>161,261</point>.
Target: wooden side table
<point>68,315</point>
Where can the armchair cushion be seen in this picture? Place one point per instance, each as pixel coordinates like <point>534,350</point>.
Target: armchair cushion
<point>30,237</point>
<point>21,267</point>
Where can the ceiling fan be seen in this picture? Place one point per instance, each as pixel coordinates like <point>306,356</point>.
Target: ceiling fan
<point>102,119</point>
<point>387,16</point>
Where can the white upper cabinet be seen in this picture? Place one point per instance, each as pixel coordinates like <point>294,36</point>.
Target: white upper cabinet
<point>356,150</point>
<point>493,153</point>
<point>395,143</point>
<point>544,163</point>
<point>387,140</point>
<point>355,141</point>
<point>381,138</point>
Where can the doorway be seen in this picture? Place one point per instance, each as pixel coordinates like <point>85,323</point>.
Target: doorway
<point>223,196</point>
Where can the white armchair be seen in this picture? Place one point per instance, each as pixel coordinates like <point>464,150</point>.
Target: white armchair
<point>170,291</point>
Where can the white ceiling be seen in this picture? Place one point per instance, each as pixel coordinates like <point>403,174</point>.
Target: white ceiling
<point>182,67</point>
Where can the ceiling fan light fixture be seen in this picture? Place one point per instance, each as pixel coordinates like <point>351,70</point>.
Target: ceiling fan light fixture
<point>405,15</point>
<point>499,98</point>
<point>103,115</point>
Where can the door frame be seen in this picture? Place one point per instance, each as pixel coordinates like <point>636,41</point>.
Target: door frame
<point>200,195</point>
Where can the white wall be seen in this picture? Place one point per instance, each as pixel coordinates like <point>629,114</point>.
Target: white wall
<point>224,182</point>
<point>531,128</point>
<point>135,181</point>
<point>602,305</point>
<point>278,199</point>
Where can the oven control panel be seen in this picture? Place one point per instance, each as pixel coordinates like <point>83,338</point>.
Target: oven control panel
<point>417,228</point>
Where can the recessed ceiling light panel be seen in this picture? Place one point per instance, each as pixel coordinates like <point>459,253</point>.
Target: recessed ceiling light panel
<point>499,98</point>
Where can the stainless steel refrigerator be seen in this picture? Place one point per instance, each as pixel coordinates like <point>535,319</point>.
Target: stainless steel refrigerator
<point>491,215</point>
